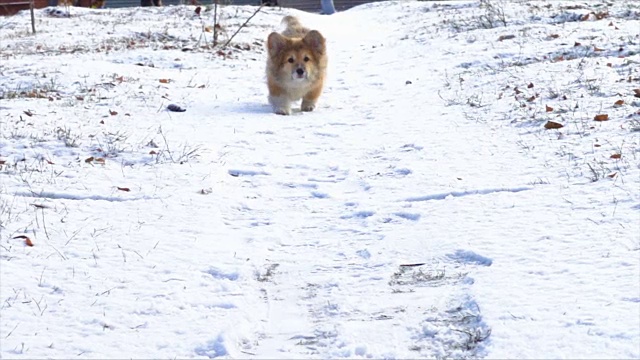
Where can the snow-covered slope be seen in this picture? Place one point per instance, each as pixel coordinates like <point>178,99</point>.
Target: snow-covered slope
<point>423,210</point>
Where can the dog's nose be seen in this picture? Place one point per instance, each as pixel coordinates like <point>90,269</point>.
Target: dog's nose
<point>300,71</point>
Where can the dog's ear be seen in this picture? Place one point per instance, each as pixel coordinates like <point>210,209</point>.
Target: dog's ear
<point>275,43</point>
<point>315,41</point>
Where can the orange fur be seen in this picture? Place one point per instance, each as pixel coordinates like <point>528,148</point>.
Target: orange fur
<point>296,66</point>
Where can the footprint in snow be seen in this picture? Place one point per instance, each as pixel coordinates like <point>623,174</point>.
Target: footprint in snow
<point>470,257</point>
<point>213,348</point>
<point>220,274</point>
<point>239,172</point>
<point>362,214</point>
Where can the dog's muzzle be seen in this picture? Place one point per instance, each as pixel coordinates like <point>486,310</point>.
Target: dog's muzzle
<point>299,73</point>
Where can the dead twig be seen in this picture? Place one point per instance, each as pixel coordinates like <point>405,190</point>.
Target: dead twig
<point>243,25</point>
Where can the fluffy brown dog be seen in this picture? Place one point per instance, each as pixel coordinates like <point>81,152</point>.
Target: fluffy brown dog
<point>296,66</point>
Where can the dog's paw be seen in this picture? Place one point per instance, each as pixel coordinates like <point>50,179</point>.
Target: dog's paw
<point>282,111</point>
<point>308,107</point>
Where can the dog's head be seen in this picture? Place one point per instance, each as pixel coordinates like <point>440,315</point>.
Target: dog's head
<point>300,58</point>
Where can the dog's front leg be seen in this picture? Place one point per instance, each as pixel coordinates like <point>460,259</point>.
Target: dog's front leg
<point>281,105</point>
<point>311,98</point>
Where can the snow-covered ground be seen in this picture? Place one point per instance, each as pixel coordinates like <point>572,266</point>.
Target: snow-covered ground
<point>423,210</point>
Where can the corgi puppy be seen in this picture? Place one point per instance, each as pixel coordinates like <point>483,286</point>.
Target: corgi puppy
<point>296,66</point>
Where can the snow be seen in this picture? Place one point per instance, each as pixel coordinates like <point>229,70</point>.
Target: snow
<point>422,210</point>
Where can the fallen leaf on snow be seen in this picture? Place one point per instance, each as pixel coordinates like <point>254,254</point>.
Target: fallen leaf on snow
<point>612,175</point>
<point>164,81</point>
<point>175,108</point>
<point>601,117</point>
<point>548,108</point>
<point>637,93</point>
<point>27,241</point>
<point>619,103</point>
<point>553,125</point>
<point>506,37</point>
<point>123,189</point>
<point>28,113</point>
<point>113,113</point>
<point>530,85</point>
<point>615,156</point>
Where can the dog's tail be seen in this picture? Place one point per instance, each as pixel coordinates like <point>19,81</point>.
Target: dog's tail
<point>293,27</point>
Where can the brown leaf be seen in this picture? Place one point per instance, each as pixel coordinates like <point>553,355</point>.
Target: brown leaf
<point>2,162</point>
<point>99,160</point>
<point>530,85</point>
<point>584,17</point>
<point>39,206</point>
<point>612,175</point>
<point>79,97</point>
<point>615,156</point>
<point>619,103</point>
<point>506,37</point>
<point>50,162</point>
<point>548,108</point>
<point>577,44</point>
<point>611,23</point>
<point>201,86</point>
<point>208,29</point>
<point>164,81</point>
<point>553,125</point>
<point>517,91</point>
<point>27,241</point>
<point>595,48</point>
<point>601,117</point>
<point>531,99</point>
<point>601,15</point>
<point>102,122</point>
<point>609,64</point>
<point>89,159</point>
<point>28,113</point>
<point>113,113</point>
<point>637,93</point>
<point>554,36</point>
<point>123,189</point>
<point>597,145</point>
<point>152,152</point>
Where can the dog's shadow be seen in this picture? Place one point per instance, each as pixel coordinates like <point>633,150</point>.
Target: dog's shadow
<point>253,108</point>
<point>260,108</point>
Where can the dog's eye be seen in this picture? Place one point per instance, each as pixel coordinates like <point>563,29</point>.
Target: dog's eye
<point>306,58</point>
<point>290,60</point>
